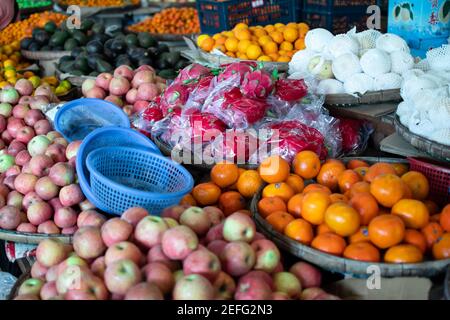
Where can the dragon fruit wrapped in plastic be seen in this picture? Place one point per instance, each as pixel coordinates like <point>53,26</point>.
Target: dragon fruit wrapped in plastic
<point>355,135</point>
<point>202,90</point>
<point>257,84</point>
<point>241,68</point>
<point>233,145</point>
<point>205,125</point>
<point>175,97</point>
<point>192,73</point>
<point>290,90</point>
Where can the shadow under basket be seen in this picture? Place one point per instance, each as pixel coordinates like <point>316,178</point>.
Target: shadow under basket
<point>123,177</point>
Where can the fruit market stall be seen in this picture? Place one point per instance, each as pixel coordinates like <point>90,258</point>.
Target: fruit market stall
<point>246,166</point>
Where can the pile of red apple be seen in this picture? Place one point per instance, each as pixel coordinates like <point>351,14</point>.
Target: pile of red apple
<point>38,188</point>
<point>132,90</point>
<point>188,253</point>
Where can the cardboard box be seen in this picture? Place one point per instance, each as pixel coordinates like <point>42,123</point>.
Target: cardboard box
<point>424,24</point>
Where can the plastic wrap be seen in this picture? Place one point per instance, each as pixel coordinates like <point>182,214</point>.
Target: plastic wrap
<point>355,135</point>
<point>192,73</point>
<point>7,281</point>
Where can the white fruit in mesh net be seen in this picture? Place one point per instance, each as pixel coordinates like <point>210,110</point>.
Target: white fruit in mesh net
<point>420,124</point>
<point>404,108</point>
<point>442,74</point>
<point>367,39</point>
<point>441,136</point>
<point>342,44</point>
<point>440,113</point>
<point>436,78</point>
<point>300,61</point>
<point>358,83</point>
<point>412,73</point>
<point>345,66</point>
<point>391,42</point>
<point>401,61</point>
<point>375,62</point>
<point>422,65</point>
<point>429,99</point>
<point>387,81</point>
<point>404,119</point>
<point>439,58</point>
<point>330,86</point>
<point>414,85</point>
<point>320,67</point>
<point>318,39</point>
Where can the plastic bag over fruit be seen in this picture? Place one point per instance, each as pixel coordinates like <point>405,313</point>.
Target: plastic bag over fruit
<point>7,281</point>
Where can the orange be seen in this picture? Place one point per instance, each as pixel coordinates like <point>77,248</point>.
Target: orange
<point>342,219</point>
<point>230,202</point>
<point>316,187</point>
<point>378,169</point>
<point>432,207</point>
<point>234,185</point>
<point>282,190</point>
<point>279,220</point>
<point>284,59</point>
<point>294,205</point>
<point>274,169</point>
<point>240,26</point>
<point>249,183</point>
<point>232,44</point>
<point>323,228</point>
<point>362,251</point>
<point>346,179</point>
<point>366,205</point>
<point>264,58</point>
<point>286,46</point>
<point>300,230</point>
<point>354,163</point>
<point>329,173</point>
<point>279,25</point>
<point>188,200</point>
<point>292,25</point>
<point>269,28</point>
<point>338,197</point>
<point>407,194</point>
<point>314,205</point>
<point>243,45</point>
<point>225,174</point>
<point>416,238</point>
<point>359,187</point>
<point>290,34</point>
<point>403,253</point>
<point>220,47</point>
<point>330,243</point>
<point>242,34</point>
<point>413,213</point>
<point>207,44</point>
<point>387,189</point>
<point>303,28</point>
<point>441,249</point>
<point>361,171</point>
<point>444,218</point>
<point>400,168</point>
<point>300,44</point>
<point>201,38</point>
<point>259,32</point>
<point>418,184</point>
<point>359,236</point>
<point>432,232</point>
<point>206,193</point>
<point>386,231</point>
<point>230,54</point>
<point>264,40</point>
<point>270,47</point>
<point>274,56</point>
<point>277,36</point>
<point>253,51</point>
<point>306,164</point>
<point>295,182</point>
<point>266,206</point>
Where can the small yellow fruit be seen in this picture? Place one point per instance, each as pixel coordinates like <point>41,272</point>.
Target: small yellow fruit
<point>284,59</point>
<point>35,80</point>
<point>243,45</point>
<point>201,38</point>
<point>290,34</point>
<point>232,44</point>
<point>286,46</point>
<point>264,58</point>
<point>264,40</point>
<point>270,47</point>
<point>253,52</point>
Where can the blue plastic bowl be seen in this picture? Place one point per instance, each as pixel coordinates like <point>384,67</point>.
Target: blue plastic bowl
<point>107,137</point>
<point>76,119</point>
<point>123,177</point>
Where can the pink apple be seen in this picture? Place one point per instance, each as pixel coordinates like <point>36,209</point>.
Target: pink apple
<point>196,219</point>
<point>96,93</point>
<point>144,67</point>
<point>62,174</point>
<point>9,218</point>
<point>98,267</point>
<point>16,146</point>
<point>215,233</point>
<point>33,116</point>
<point>65,217</point>
<point>52,135</point>
<point>252,288</point>
<point>202,262</point>
<point>6,136</point>
<point>13,126</point>
<point>128,110</point>
<point>159,274</point>
<point>50,253</point>
<point>288,283</point>
<point>134,215</point>
<point>124,71</point>
<point>267,255</point>
<point>46,189</point>
<point>217,247</point>
<point>38,102</point>
<point>26,297</point>
<point>103,80</point>
<point>115,99</point>
<point>30,198</point>
<point>178,242</point>
<point>6,109</point>
<point>123,250</point>
<point>56,204</point>
<point>116,230</point>
<point>39,212</point>
<point>38,270</point>
<point>15,199</point>
<point>156,254</point>
<point>147,91</point>
<point>308,275</point>
<point>38,144</point>
<point>215,214</point>
<point>224,286</point>
<point>258,236</point>
<point>48,291</point>
<point>25,134</point>
<point>280,296</point>
<point>48,227</point>
<point>71,195</point>
<point>56,152</point>
<point>72,149</point>
<point>238,258</point>
<point>119,86</point>
<point>13,171</point>
<point>90,218</point>
<point>87,85</point>
<point>174,212</point>
<point>19,111</point>
<point>61,141</point>
<point>121,276</point>
<point>40,165</point>
<point>88,243</point>
<point>193,287</point>
<point>4,190</point>
<point>143,76</point>
<point>140,105</point>
<point>86,205</point>
<point>131,96</point>
<point>149,231</point>
<point>75,294</point>
<point>26,227</point>
<point>144,291</point>
<point>9,181</point>
<point>52,274</point>
<point>24,87</point>
<point>69,230</point>
<point>31,286</point>
<point>22,157</point>
<point>171,222</point>
<point>42,127</point>
<point>311,293</point>
<point>239,227</point>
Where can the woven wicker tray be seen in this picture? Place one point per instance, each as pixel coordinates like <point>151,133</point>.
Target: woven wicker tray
<point>347,100</point>
<point>433,148</point>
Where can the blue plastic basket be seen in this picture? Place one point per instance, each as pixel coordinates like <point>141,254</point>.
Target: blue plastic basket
<point>338,6</point>
<point>123,177</point>
<point>215,16</point>
<point>76,119</point>
<point>338,22</point>
<point>107,137</point>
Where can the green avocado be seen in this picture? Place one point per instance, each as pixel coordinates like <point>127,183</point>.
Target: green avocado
<point>131,39</point>
<point>50,27</point>
<point>70,44</point>
<point>86,25</point>
<point>146,40</point>
<point>80,37</point>
<point>58,38</point>
<point>98,27</point>
<point>167,74</point>
<point>103,66</point>
<point>82,64</point>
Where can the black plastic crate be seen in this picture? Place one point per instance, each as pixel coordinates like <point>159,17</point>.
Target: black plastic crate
<point>336,23</point>
<point>338,6</point>
<point>217,16</point>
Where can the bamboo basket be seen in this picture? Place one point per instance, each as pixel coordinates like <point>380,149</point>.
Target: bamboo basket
<point>348,100</point>
<point>433,148</point>
<point>343,265</point>
<point>32,238</point>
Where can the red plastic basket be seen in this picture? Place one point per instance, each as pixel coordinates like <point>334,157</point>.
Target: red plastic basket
<point>438,175</point>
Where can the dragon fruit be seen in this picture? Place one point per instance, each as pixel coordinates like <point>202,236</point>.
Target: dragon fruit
<point>175,97</point>
<point>257,84</point>
<point>192,73</point>
<point>233,145</point>
<point>241,68</point>
<point>202,90</point>
<point>355,135</point>
<point>290,90</point>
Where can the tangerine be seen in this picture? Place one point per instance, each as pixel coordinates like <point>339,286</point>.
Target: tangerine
<point>377,169</point>
<point>361,235</point>
<point>306,164</point>
<point>354,163</point>
<point>230,202</point>
<point>249,183</point>
<point>441,249</point>
<point>403,253</point>
<point>323,228</point>
<point>359,187</point>
<point>329,173</point>
<point>290,34</point>
<point>400,168</point>
<point>294,205</point>
<point>362,251</point>
<point>342,219</point>
<point>361,171</point>
<point>387,189</point>
<point>432,232</point>
<point>418,184</point>
<point>346,179</point>
<point>188,200</point>
<point>225,174</point>
<point>295,182</point>
<point>300,230</point>
<point>414,213</point>
<point>274,169</point>
<point>386,231</point>
<point>314,205</point>
<point>268,205</point>
<point>444,218</point>
<point>316,187</point>
<point>432,207</point>
<point>206,194</point>
<point>329,243</point>
<point>338,197</point>
<point>282,190</point>
<point>416,238</point>
<point>366,205</point>
<point>279,220</point>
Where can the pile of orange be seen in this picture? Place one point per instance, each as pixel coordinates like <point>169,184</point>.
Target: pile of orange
<point>170,21</point>
<point>277,43</point>
<point>21,29</point>
<point>11,61</point>
<point>99,3</point>
<point>371,213</point>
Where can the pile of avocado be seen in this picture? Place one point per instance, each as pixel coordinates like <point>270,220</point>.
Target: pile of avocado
<point>94,52</point>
